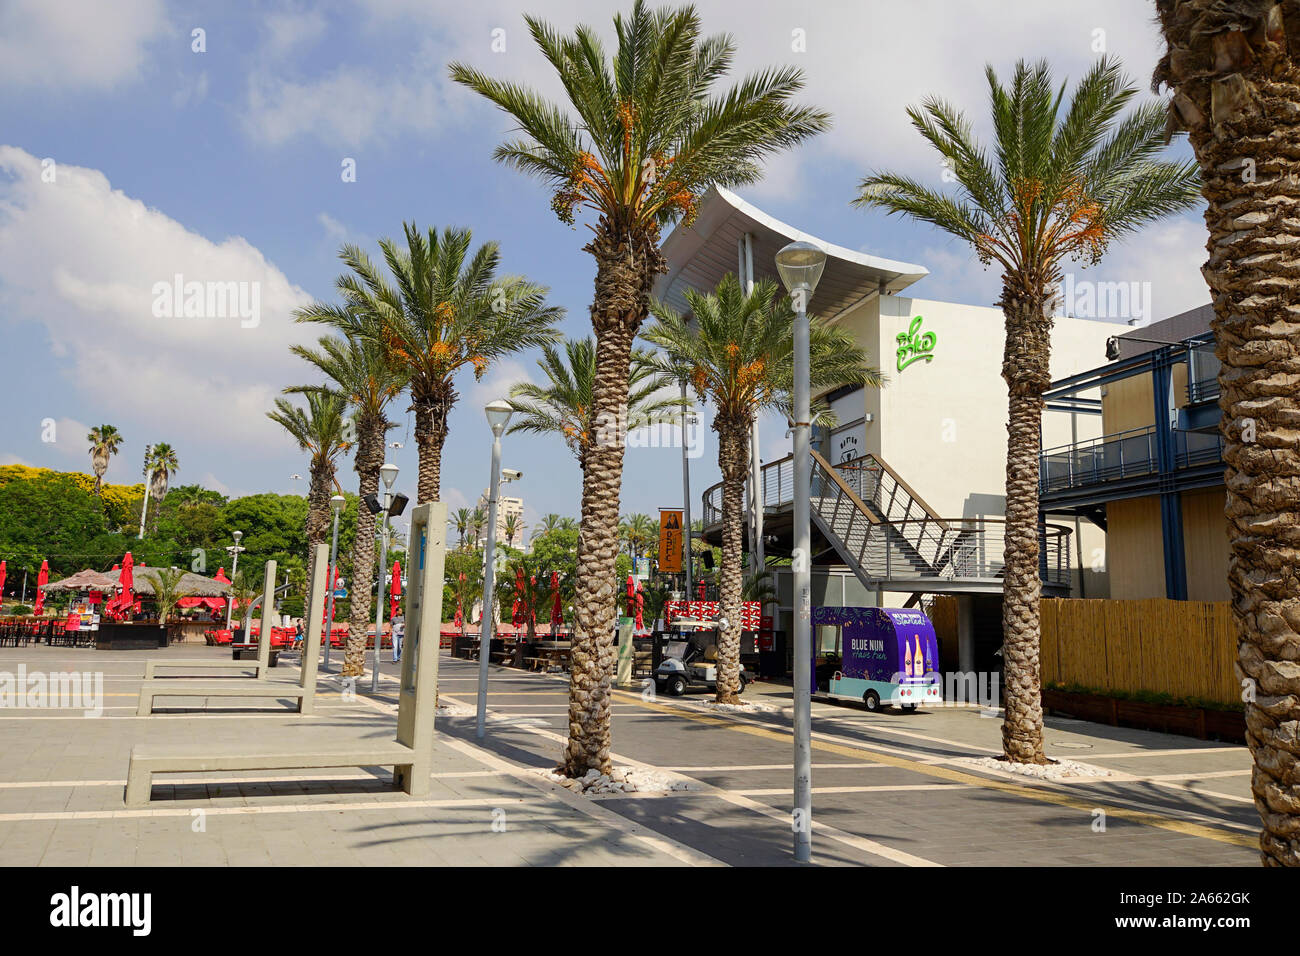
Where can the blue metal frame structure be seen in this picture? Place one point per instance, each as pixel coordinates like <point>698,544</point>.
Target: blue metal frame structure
<point>1180,452</point>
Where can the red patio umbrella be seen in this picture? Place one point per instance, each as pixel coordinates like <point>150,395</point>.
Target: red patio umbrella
<point>395,591</point>
<point>631,593</point>
<point>42,579</point>
<point>701,590</point>
<point>640,607</point>
<point>2,580</point>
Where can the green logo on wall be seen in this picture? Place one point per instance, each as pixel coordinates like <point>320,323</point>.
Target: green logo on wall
<point>915,345</point>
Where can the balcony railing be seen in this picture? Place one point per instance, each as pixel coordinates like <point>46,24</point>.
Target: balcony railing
<point>1122,455</point>
<point>1202,374</point>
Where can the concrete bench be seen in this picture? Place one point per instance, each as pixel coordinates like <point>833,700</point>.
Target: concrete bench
<point>190,687</point>
<point>151,667</point>
<point>147,761</point>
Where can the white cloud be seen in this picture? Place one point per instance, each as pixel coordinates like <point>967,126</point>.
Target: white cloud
<point>289,31</point>
<point>75,45</point>
<point>495,384</point>
<point>191,92</point>
<point>82,259</point>
<point>335,231</point>
<point>347,108</point>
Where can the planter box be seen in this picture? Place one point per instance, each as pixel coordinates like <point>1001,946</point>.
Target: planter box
<point>130,637</point>
<point>1202,723</point>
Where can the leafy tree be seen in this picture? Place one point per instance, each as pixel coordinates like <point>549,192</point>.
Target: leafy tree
<point>104,441</point>
<point>565,405</point>
<point>645,135</point>
<point>321,430</point>
<point>442,310</point>
<point>1061,184</point>
<point>361,368</point>
<point>738,354</point>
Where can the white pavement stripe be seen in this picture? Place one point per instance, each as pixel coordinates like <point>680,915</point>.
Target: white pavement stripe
<point>849,839</point>
<point>772,766</point>
<point>389,805</point>
<point>186,781</point>
<point>789,791</point>
<point>1179,751</point>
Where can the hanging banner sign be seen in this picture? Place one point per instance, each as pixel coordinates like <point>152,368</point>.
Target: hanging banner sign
<point>670,541</point>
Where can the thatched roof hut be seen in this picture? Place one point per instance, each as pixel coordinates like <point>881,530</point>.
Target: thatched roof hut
<point>143,579</point>
<point>87,580</point>
<point>191,584</point>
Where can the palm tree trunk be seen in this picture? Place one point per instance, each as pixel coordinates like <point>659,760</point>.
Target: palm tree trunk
<point>318,516</point>
<point>626,266</point>
<point>733,461</point>
<point>1025,369</point>
<point>1236,78</point>
<point>431,414</point>
<point>370,455</point>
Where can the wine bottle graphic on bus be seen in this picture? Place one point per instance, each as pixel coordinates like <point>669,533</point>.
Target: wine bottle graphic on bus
<point>907,659</point>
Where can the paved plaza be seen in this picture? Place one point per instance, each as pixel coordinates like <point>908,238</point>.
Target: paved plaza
<point>890,789</point>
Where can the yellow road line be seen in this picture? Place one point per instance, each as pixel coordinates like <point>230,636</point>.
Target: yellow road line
<point>1185,827</point>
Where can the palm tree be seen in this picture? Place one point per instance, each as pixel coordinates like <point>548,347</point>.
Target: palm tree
<point>1061,184</point>
<point>512,526</point>
<point>321,430</point>
<point>738,354</point>
<point>167,591</point>
<point>160,464</point>
<point>649,137</point>
<point>1229,65</point>
<point>461,519</point>
<point>104,441</point>
<point>549,523</point>
<point>360,369</point>
<point>564,405</point>
<point>444,310</point>
<point>635,531</point>
<point>477,522</point>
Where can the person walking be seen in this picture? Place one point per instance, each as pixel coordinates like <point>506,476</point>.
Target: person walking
<point>399,628</point>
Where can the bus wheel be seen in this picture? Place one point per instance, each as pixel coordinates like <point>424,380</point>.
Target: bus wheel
<point>872,700</point>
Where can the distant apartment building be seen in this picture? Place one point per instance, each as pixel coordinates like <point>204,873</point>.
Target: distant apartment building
<point>505,508</point>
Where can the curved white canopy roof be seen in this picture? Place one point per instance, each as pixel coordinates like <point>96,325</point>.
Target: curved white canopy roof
<point>700,256</point>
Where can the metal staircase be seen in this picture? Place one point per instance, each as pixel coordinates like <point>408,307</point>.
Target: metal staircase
<point>882,530</point>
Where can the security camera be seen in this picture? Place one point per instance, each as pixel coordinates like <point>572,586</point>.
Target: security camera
<point>510,474</point>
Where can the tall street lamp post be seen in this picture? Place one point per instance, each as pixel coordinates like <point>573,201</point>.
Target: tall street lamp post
<point>498,416</point>
<point>234,569</point>
<point>389,473</point>
<point>800,266</point>
<point>337,504</point>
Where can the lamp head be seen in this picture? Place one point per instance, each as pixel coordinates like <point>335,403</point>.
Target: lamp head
<point>800,266</point>
<point>388,472</point>
<point>237,535</point>
<point>498,415</point>
<point>337,503</point>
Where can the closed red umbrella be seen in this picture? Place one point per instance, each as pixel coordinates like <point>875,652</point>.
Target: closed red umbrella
<point>631,593</point>
<point>557,618</point>
<point>459,621</point>
<point>640,607</point>
<point>220,576</point>
<point>395,591</point>
<point>126,580</point>
<point>2,580</point>
<point>516,612</point>
<point>42,579</point>
<point>701,589</point>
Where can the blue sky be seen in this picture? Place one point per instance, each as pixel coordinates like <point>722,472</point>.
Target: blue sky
<point>226,164</point>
